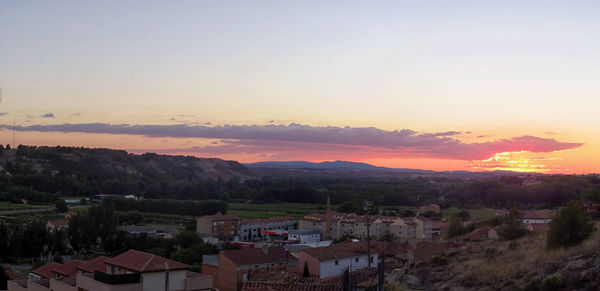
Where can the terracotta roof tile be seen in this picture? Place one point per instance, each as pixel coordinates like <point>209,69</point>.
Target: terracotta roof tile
<point>95,264</point>
<point>69,268</point>
<point>144,262</point>
<point>246,257</point>
<point>46,270</point>
<point>538,214</point>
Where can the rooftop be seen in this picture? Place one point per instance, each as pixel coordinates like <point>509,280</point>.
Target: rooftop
<point>95,264</point>
<point>69,268</point>
<point>144,262</point>
<point>339,250</point>
<point>538,214</point>
<point>46,270</point>
<point>246,257</point>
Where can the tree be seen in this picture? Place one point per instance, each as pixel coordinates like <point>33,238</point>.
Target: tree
<point>464,215</point>
<point>306,272</point>
<point>570,227</point>
<point>4,240</point>
<point>455,226</point>
<point>61,206</point>
<point>512,225</point>
<point>3,278</point>
<point>592,195</point>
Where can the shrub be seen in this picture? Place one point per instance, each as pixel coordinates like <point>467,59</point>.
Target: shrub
<point>570,227</point>
<point>513,245</point>
<point>552,282</point>
<point>439,261</point>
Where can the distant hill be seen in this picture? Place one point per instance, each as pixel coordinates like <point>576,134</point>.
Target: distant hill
<point>85,171</point>
<point>338,165</point>
<point>349,169</point>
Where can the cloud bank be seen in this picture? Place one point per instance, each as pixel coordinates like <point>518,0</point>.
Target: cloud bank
<point>298,137</point>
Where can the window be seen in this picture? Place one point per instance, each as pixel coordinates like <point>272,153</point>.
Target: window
<point>356,260</point>
<point>337,263</point>
<point>371,259</point>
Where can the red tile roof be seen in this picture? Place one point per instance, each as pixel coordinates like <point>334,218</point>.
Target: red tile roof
<point>482,233</point>
<point>246,257</point>
<point>339,250</point>
<point>538,214</point>
<point>266,220</point>
<point>95,264</point>
<point>46,270</point>
<point>142,262</point>
<point>69,268</point>
<point>59,222</point>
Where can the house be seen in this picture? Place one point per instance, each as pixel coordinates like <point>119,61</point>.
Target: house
<point>43,272</point>
<point>480,234</point>
<point>230,268</point>
<point>57,224</point>
<point>429,208</point>
<point>325,262</point>
<point>219,226</point>
<point>130,271</point>
<point>252,229</point>
<point>305,236</point>
<point>537,216</point>
<point>68,269</point>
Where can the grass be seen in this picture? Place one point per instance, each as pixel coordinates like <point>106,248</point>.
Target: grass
<point>296,210</point>
<point>5,205</point>
<point>521,264</point>
<point>475,213</point>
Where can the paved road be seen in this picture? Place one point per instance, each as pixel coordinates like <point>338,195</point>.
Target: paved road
<point>25,211</point>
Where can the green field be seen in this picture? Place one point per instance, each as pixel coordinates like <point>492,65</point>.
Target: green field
<point>296,210</point>
<point>5,205</point>
<point>475,213</point>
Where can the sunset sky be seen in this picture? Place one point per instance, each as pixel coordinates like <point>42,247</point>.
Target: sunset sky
<point>441,85</point>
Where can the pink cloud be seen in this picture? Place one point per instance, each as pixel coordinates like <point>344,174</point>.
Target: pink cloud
<point>293,140</point>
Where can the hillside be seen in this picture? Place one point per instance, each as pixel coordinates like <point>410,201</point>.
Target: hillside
<point>494,265</point>
<point>85,171</point>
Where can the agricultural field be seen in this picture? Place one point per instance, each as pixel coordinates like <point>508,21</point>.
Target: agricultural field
<point>6,205</point>
<point>484,213</point>
<point>296,210</point>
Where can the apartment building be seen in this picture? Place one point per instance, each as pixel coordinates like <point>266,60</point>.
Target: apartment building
<point>219,226</point>
<point>231,268</point>
<point>252,229</point>
<point>380,226</point>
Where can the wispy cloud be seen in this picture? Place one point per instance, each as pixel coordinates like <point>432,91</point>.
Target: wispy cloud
<point>296,137</point>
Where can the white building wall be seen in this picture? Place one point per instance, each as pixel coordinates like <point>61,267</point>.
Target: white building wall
<point>155,281</point>
<point>330,268</point>
<point>535,221</point>
<point>305,238</point>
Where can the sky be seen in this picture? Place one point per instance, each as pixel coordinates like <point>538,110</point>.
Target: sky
<point>440,85</point>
